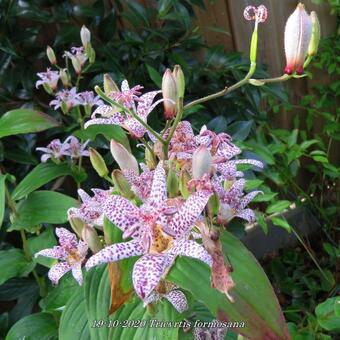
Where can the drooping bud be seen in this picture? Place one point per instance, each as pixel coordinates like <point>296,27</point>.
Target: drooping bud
<point>77,225</point>
<point>169,90</point>
<point>85,36</point>
<point>124,158</point>
<point>90,236</point>
<point>50,55</point>
<point>180,81</point>
<point>64,77</point>
<point>201,162</point>
<point>315,39</point>
<point>172,183</point>
<point>98,163</point>
<point>297,37</point>
<point>121,184</point>
<point>109,85</point>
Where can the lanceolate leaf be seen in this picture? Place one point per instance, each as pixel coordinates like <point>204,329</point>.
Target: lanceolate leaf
<point>255,302</point>
<point>40,175</point>
<point>42,207</point>
<point>2,197</point>
<point>25,121</point>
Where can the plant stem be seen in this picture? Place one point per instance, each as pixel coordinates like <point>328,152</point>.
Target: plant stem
<point>130,112</point>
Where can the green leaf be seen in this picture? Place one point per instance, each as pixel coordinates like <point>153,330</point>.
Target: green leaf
<point>73,322</point>
<point>264,197</point>
<point>25,121</point>
<point>292,139</point>
<point>154,75</point>
<point>252,184</point>
<point>261,221</point>
<point>326,314</point>
<point>13,263</point>
<point>2,197</point>
<point>108,131</point>
<point>281,222</point>
<point>240,130</point>
<point>40,326</point>
<point>40,175</point>
<point>255,302</point>
<point>42,207</point>
<point>306,144</point>
<point>278,206</point>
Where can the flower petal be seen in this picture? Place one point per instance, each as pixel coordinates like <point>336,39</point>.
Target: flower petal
<point>248,198</point>
<point>77,273</point>
<point>56,252</point>
<point>121,212</point>
<point>191,249</point>
<point>135,128</point>
<point>247,214</point>
<point>158,189</point>
<point>66,238</point>
<point>189,212</point>
<point>145,106</point>
<point>178,300</point>
<point>57,271</point>
<point>115,252</point>
<point>147,272</point>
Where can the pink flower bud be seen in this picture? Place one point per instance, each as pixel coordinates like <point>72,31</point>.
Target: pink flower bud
<point>201,162</point>
<point>50,55</point>
<point>297,37</point>
<point>85,36</point>
<point>169,90</point>
<point>124,158</point>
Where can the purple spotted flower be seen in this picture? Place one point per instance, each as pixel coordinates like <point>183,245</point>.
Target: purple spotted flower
<point>78,57</point>
<point>160,230</point>
<point>75,148</point>
<point>55,150</point>
<point>91,209</point>
<point>71,254</point>
<point>65,99</point>
<point>131,99</point>
<point>88,98</point>
<point>49,78</point>
<point>233,202</point>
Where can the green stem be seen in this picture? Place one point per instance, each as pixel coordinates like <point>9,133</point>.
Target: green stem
<point>145,143</point>
<point>130,112</point>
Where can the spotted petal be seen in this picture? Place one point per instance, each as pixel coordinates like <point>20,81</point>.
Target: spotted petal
<point>115,252</point>
<point>57,271</point>
<point>158,189</point>
<point>56,252</point>
<point>135,128</point>
<point>66,238</point>
<point>121,212</point>
<point>145,106</point>
<point>147,272</point>
<point>77,273</point>
<point>247,214</point>
<point>189,212</point>
<point>248,198</point>
<point>191,249</point>
<point>178,300</point>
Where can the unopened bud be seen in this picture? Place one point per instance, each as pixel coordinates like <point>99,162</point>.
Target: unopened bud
<point>85,36</point>
<point>90,236</point>
<point>98,163</point>
<point>121,184</point>
<point>297,37</point>
<point>64,77</point>
<point>76,64</point>
<point>201,162</point>
<point>184,178</point>
<point>172,183</point>
<point>47,88</point>
<point>50,55</point>
<point>315,39</point>
<point>180,81</point>
<point>77,225</point>
<point>150,159</point>
<point>124,158</point>
<point>169,90</point>
<point>109,85</point>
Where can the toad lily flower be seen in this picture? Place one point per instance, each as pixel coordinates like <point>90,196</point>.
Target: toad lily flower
<point>49,78</point>
<point>65,99</point>
<point>126,97</point>
<point>159,229</point>
<point>75,148</point>
<point>55,150</point>
<point>91,209</point>
<point>298,33</point>
<point>71,253</point>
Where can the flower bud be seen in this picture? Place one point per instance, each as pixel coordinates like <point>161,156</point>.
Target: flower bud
<point>184,178</point>
<point>109,85</point>
<point>315,39</point>
<point>50,55</point>
<point>169,90</point>
<point>180,81</point>
<point>297,37</point>
<point>201,162</point>
<point>150,159</point>
<point>124,158</point>
<point>121,184</point>
<point>90,236</point>
<point>47,88</point>
<point>98,163</point>
<point>77,225</point>
<point>64,77</point>
<point>172,183</point>
<point>85,36</point>
<point>76,64</point>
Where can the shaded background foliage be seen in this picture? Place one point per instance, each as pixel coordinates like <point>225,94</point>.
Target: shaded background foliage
<point>139,42</point>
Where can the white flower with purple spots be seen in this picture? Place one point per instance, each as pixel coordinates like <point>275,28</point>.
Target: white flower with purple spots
<point>131,99</point>
<point>55,150</point>
<point>88,98</point>
<point>160,230</point>
<point>91,209</point>
<point>75,148</point>
<point>71,254</point>
<point>49,78</point>
<point>67,98</point>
